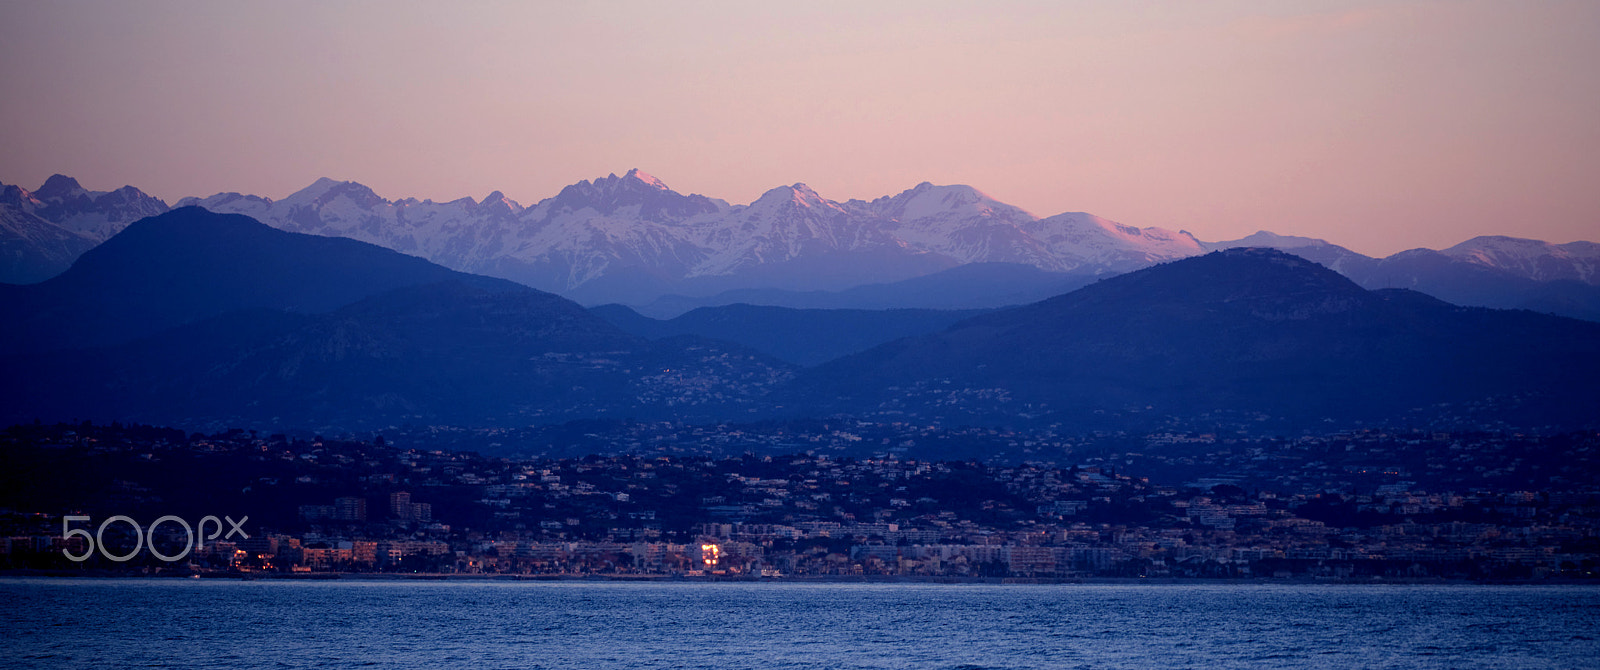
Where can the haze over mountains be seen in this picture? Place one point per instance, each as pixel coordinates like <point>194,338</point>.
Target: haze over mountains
<point>799,336</point>
<point>1240,332</point>
<point>190,264</point>
<point>194,318</point>
<point>633,240</point>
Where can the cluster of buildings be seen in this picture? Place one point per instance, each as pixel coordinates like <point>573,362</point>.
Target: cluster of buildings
<point>1345,506</point>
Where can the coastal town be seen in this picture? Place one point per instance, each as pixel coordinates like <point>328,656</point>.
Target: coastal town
<point>826,500</point>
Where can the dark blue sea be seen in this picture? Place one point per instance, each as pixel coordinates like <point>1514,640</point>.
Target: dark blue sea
<point>410,624</point>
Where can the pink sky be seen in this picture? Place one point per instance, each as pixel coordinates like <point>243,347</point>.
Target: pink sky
<point>1381,126</point>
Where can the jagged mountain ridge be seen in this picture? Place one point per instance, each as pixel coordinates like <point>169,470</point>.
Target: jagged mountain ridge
<point>43,231</point>
<point>95,214</point>
<point>633,240</point>
<point>635,228</point>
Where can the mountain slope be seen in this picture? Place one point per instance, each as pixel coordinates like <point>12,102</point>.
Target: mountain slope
<point>450,233</point>
<point>1243,331</point>
<point>1533,259</point>
<point>445,353</point>
<point>33,249</point>
<point>970,286</point>
<point>42,232</point>
<point>1328,255</point>
<point>1499,272</point>
<point>190,264</point>
<point>798,336</point>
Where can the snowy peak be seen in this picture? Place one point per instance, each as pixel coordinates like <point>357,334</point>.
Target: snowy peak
<point>220,198</point>
<point>95,214</point>
<point>634,193</point>
<point>1486,248</point>
<point>646,179</point>
<point>59,187</point>
<point>316,190</point>
<point>795,195</point>
<point>1535,259</point>
<point>253,206</point>
<point>498,201</point>
<point>42,232</point>
<point>790,226</point>
<point>959,223</point>
<point>1491,245</point>
<point>632,182</point>
<point>1091,241</point>
<point>1268,240</point>
<point>325,190</point>
<point>16,196</point>
<point>1331,256</point>
<point>928,201</point>
<point>634,233</point>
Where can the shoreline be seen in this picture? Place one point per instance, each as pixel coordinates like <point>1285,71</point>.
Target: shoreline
<point>106,575</point>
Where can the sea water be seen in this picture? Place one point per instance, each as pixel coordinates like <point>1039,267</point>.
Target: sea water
<point>51,623</point>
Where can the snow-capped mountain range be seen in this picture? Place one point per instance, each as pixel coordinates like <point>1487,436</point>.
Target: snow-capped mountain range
<point>43,231</point>
<point>1536,260</point>
<point>631,235</point>
<point>633,239</point>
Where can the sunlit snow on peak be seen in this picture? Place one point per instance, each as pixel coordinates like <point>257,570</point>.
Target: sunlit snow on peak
<point>646,178</point>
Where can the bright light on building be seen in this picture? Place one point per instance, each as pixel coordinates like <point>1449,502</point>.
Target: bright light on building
<point>709,553</point>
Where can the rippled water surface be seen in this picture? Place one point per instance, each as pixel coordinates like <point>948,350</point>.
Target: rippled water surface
<point>405,624</point>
